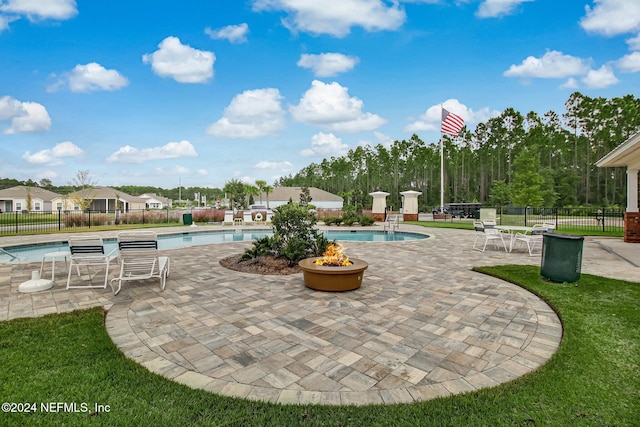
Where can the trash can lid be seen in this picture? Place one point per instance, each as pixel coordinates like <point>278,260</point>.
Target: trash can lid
<point>564,236</point>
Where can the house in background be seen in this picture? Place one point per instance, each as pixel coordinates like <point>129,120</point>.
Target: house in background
<point>319,198</point>
<point>153,201</point>
<point>103,199</point>
<point>15,199</point>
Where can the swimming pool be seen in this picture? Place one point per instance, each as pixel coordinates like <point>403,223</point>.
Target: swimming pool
<point>35,252</point>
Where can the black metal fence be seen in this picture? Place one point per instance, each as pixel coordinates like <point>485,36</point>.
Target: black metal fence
<point>600,219</point>
<point>569,219</point>
<point>24,222</point>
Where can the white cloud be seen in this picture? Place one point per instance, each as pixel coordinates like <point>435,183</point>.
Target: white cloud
<point>5,21</point>
<point>380,138</point>
<point>612,17</point>
<point>331,107</point>
<point>233,33</point>
<point>325,144</point>
<point>251,114</point>
<point>497,8</point>
<point>629,63</point>
<point>55,155</point>
<point>91,77</point>
<point>336,17</point>
<point>181,62</point>
<point>600,78</point>
<point>552,64</point>
<point>327,64</point>
<point>24,116</point>
<point>432,118</point>
<point>634,42</point>
<point>283,166</point>
<point>36,10</point>
<point>571,83</point>
<point>172,150</point>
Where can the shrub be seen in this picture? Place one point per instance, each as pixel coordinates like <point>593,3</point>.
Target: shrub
<point>294,236</point>
<point>263,246</point>
<point>208,215</point>
<point>365,220</point>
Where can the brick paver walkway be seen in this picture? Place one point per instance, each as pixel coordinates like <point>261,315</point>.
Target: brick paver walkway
<point>422,325</point>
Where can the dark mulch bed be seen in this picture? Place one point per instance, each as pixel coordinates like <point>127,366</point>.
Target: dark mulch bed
<point>260,265</point>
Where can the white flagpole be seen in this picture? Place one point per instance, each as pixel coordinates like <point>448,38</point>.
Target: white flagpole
<point>441,168</point>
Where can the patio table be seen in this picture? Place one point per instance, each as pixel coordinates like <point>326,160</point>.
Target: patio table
<point>512,230</point>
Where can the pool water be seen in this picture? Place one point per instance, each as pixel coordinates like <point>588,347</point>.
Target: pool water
<point>35,252</point>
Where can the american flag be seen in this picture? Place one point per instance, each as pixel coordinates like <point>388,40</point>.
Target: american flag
<point>451,123</point>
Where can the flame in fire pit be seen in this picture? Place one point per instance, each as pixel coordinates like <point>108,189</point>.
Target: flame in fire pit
<point>334,256</point>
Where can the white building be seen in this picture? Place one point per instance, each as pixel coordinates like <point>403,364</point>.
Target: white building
<point>15,199</point>
<point>319,198</point>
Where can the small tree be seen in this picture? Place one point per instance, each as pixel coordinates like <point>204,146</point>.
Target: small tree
<point>526,188</point>
<point>305,197</point>
<point>85,193</point>
<point>235,192</point>
<point>29,200</point>
<point>267,189</point>
<point>499,193</point>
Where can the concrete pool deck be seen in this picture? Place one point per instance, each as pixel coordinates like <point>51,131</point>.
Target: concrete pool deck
<point>422,325</point>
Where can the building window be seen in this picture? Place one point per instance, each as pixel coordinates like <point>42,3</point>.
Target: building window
<point>37,206</point>
<point>18,206</point>
<point>59,206</point>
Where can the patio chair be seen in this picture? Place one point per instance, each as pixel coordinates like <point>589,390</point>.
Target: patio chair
<point>489,223</point>
<point>139,258</point>
<point>247,219</point>
<point>228,218</point>
<point>532,239</point>
<point>486,235</point>
<point>87,251</point>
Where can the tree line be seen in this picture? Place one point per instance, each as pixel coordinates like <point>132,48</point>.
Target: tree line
<point>524,160</point>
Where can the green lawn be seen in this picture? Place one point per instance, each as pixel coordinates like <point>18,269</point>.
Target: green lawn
<point>591,381</point>
<point>564,229</point>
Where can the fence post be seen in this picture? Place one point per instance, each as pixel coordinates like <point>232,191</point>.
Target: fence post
<point>89,218</point>
<point>603,217</point>
<point>556,209</point>
<point>59,219</point>
<point>526,210</point>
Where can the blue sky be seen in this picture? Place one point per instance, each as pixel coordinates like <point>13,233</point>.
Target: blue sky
<point>199,92</point>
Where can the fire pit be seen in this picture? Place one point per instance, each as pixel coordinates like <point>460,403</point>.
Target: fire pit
<point>333,272</point>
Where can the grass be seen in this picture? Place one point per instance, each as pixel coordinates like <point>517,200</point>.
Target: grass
<point>591,381</point>
<point>564,229</point>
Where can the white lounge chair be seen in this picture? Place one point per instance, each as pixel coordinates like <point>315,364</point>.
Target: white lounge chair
<point>139,258</point>
<point>247,219</point>
<point>87,251</point>
<point>270,215</point>
<point>228,218</point>
<point>486,235</point>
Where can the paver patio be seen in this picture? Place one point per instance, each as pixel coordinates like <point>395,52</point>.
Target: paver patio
<point>422,325</point>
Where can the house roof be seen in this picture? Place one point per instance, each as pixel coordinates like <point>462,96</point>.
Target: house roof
<point>293,193</point>
<point>155,197</point>
<point>625,154</point>
<point>21,191</point>
<point>98,192</point>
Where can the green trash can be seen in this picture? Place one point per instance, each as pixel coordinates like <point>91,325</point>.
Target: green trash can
<point>561,257</point>
<point>187,219</point>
